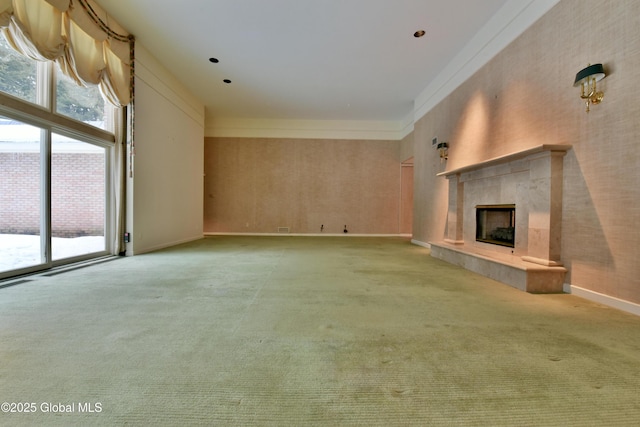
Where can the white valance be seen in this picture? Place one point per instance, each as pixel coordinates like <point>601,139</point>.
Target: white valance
<point>79,35</point>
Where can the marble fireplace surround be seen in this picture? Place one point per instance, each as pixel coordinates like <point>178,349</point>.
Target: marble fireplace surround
<point>532,180</point>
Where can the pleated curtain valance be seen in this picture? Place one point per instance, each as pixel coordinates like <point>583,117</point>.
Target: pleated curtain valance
<point>80,36</point>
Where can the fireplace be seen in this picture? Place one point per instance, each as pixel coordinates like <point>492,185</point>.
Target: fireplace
<point>522,251</point>
<point>496,224</point>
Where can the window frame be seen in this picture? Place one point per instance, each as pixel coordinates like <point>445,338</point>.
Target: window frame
<point>49,121</point>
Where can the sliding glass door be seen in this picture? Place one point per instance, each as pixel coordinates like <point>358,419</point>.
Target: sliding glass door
<point>53,198</point>
<point>22,233</point>
<point>78,196</point>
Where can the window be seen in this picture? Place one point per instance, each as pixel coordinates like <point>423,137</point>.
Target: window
<point>54,171</point>
<point>18,74</point>
<point>84,104</point>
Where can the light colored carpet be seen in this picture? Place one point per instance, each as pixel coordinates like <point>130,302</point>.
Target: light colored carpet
<point>294,331</point>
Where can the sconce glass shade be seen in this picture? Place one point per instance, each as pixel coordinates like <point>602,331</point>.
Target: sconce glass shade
<point>595,71</point>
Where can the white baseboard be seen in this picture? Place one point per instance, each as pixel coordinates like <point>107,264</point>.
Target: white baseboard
<point>603,299</point>
<point>306,234</point>
<point>419,243</point>
<point>130,252</point>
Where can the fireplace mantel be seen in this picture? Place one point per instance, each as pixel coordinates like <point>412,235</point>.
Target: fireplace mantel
<point>508,158</point>
<point>530,179</point>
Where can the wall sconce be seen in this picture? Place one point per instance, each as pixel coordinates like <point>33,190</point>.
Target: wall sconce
<point>443,149</point>
<point>587,79</point>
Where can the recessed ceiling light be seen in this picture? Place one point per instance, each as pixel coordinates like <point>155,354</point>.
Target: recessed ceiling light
<point>419,34</point>
<point>227,81</point>
<point>214,60</point>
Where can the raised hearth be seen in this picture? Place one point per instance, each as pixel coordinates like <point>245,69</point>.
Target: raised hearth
<point>530,182</point>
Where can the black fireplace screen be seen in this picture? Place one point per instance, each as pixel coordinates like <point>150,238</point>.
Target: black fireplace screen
<point>496,224</point>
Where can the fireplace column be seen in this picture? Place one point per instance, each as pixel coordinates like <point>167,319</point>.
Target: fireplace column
<point>545,208</point>
<point>455,212</point>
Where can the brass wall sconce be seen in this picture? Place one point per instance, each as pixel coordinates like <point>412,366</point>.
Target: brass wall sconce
<point>587,79</point>
<point>443,149</point>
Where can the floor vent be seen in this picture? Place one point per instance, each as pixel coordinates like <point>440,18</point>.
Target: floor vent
<point>283,229</point>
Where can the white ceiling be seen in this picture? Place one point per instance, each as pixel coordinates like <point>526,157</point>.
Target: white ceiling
<point>305,59</point>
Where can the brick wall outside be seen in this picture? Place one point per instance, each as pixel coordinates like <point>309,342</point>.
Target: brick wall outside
<point>77,194</point>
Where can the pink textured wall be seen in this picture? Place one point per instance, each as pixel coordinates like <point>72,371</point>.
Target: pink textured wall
<point>406,199</point>
<point>525,97</point>
<point>256,185</point>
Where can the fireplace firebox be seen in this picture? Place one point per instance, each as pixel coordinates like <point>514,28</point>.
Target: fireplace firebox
<point>496,224</point>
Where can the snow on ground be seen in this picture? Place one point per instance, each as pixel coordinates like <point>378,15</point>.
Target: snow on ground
<point>19,250</point>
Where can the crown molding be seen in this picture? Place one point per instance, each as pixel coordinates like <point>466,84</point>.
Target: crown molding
<point>305,129</point>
